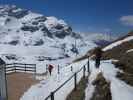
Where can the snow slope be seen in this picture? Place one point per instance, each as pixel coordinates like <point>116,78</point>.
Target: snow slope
<point>129,38</point>
<point>131,50</point>
<point>45,87</point>
<point>119,89</point>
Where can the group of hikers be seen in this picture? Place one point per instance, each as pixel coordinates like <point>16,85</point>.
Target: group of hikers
<point>96,54</point>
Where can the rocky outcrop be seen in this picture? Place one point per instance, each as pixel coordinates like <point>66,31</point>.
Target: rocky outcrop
<point>102,89</point>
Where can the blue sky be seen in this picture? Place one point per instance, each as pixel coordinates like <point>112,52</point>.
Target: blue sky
<point>115,16</point>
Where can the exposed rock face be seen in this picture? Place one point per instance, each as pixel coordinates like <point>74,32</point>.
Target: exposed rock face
<point>29,28</point>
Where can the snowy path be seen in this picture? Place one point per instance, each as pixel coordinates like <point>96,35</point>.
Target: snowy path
<point>45,87</point>
<point>119,89</point>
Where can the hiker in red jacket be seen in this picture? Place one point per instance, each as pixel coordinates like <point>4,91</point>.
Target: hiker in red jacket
<point>50,68</point>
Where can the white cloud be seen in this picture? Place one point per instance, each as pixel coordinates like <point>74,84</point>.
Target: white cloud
<point>127,20</point>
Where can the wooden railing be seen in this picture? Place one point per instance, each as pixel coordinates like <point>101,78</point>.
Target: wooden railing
<point>20,67</point>
<point>51,96</point>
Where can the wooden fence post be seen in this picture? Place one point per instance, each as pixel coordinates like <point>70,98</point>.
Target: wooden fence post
<point>75,81</point>
<point>58,69</point>
<point>71,68</point>
<point>46,67</point>
<point>84,71</point>
<point>35,69</point>
<point>88,66</point>
<point>35,73</point>
<point>52,95</point>
<point>25,67</point>
<point>14,67</point>
<point>3,83</point>
<point>6,83</point>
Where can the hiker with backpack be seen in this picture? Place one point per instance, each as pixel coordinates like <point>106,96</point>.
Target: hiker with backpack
<point>97,54</point>
<point>98,57</point>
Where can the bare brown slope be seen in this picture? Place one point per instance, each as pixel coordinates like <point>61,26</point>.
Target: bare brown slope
<point>125,58</point>
<point>118,51</point>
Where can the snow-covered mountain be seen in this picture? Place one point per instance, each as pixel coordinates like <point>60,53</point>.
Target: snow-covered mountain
<point>27,28</point>
<point>31,37</point>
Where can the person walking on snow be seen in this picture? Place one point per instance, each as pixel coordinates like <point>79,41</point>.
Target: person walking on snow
<point>50,68</point>
<point>98,55</point>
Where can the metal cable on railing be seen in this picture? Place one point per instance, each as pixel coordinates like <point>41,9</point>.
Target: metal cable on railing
<point>51,95</point>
